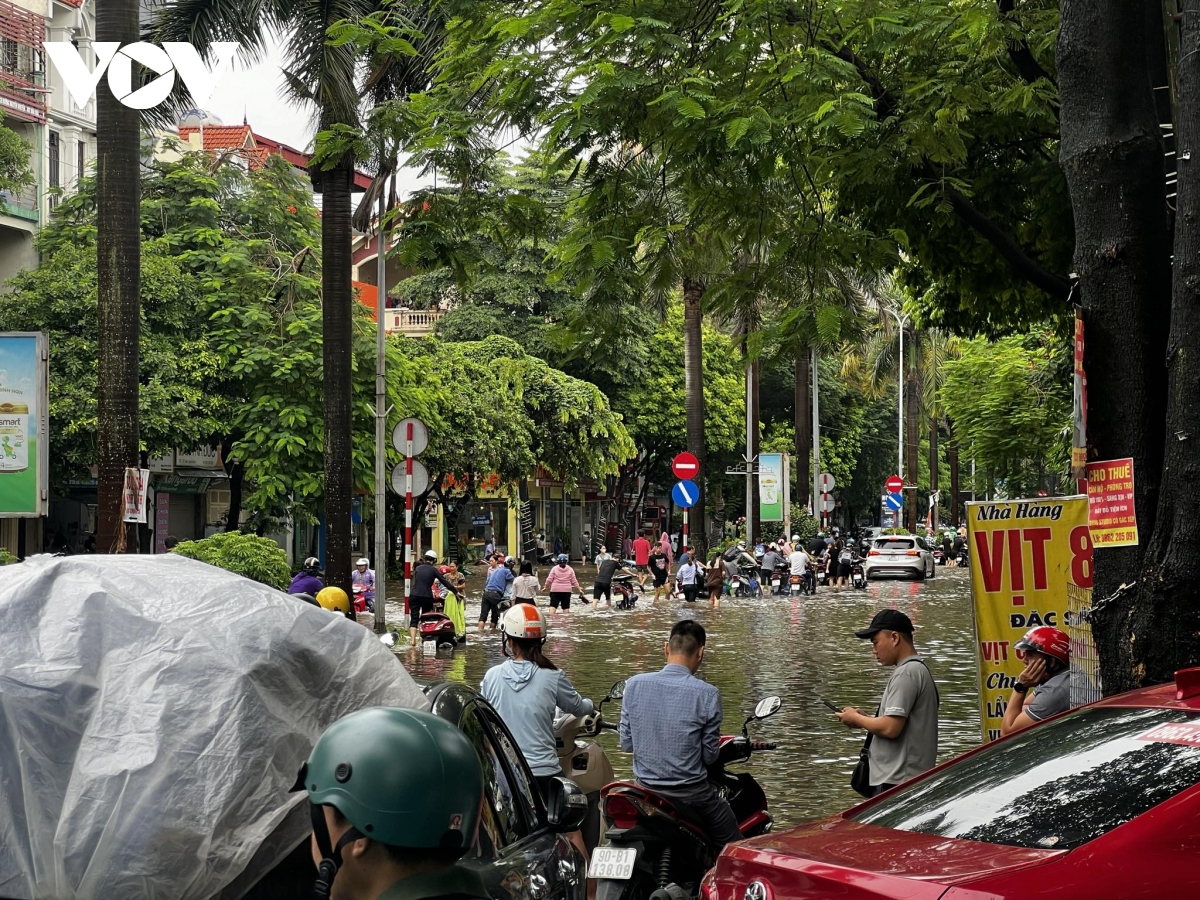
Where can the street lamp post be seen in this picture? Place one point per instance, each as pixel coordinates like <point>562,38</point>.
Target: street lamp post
<point>901,321</point>
<point>381,542</point>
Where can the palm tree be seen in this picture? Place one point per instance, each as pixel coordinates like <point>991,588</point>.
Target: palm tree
<point>118,273</point>
<point>332,76</point>
<point>874,361</point>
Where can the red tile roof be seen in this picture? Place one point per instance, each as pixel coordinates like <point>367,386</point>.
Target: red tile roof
<point>256,148</point>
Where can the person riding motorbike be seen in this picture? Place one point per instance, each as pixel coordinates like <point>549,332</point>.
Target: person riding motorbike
<point>770,561</point>
<point>421,599</point>
<point>526,689</point>
<point>671,722</point>
<point>396,797</point>
<point>308,580</point>
<point>799,564</point>
<point>362,584</point>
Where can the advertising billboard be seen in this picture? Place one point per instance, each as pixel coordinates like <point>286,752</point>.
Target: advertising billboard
<point>24,425</point>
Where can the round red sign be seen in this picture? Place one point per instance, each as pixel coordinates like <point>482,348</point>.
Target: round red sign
<point>895,484</point>
<point>685,466</point>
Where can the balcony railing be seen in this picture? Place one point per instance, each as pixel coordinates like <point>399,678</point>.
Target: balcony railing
<point>412,322</point>
<point>21,203</point>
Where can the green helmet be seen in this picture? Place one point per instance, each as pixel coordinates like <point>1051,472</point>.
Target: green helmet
<point>401,777</point>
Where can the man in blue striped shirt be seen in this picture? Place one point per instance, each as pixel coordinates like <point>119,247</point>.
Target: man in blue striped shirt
<point>671,722</point>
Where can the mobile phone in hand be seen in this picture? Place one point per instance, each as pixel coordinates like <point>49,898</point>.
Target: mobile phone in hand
<point>830,705</point>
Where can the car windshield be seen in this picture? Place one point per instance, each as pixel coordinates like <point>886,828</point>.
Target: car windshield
<point>1055,786</point>
<point>894,544</point>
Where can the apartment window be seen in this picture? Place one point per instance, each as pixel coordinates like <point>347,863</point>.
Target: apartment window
<point>81,168</point>
<point>53,160</point>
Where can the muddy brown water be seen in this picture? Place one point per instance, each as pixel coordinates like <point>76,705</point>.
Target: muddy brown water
<point>800,649</point>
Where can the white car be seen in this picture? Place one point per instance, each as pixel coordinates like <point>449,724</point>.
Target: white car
<point>899,556</point>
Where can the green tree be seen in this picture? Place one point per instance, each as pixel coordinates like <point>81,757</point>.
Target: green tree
<point>327,74</point>
<point>1011,408</point>
<point>231,333</point>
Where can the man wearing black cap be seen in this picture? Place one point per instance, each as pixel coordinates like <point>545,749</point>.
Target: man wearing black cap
<point>905,728</point>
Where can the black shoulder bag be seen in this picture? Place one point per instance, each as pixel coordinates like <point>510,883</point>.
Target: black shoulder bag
<point>860,778</point>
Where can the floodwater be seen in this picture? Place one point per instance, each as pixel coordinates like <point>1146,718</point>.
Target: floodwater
<point>801,649</point>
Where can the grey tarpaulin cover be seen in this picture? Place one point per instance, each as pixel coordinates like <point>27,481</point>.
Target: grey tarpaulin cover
<point>154,712</point>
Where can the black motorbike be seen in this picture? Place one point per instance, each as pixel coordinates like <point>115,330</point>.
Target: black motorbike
<point>657,848</point>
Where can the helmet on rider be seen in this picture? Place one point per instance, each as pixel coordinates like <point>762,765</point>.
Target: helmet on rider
<point>406,779</point>
<point>741,545</point>
<point>312,565</point>
<point>561,559</point>
<point>510,561</point>
<point>363,561</point>
<point>333,599</point>
<point>1049,641</point>
<point>795,538</point>
<point>523,621</point>
<point>431,555</point>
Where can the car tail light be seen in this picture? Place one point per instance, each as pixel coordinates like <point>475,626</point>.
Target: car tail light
<point>912,553</point>
<point>620,811</point>
<point>708,888</point>
<point>873,553</point>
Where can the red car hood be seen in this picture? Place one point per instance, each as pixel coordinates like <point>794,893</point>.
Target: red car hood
<point>838,857</point>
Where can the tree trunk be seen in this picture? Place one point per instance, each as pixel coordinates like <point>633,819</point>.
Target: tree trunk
<point>336,323</point>
<point>1151,631</point>
<point>753,514</point>
<point>237,478</point>
<point>1112,154</point>
<point>693,366</point>
<point>955,508</point>
<point>933,468</point>
<point>912,442</point>
<point>118,278</point>
<point>803,427</point>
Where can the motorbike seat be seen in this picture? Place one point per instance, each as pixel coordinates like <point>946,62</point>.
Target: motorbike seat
<point>686,815</point>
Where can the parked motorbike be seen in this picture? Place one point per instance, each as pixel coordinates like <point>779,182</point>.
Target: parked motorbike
<point>585,762</point>
<point>656,848</point>
<point>437,627</point>
<point>625,591</point>
<point>745,584</point>
<point>858,577</point>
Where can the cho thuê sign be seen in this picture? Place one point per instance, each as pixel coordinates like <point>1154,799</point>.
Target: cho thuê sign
<point>24,416</point>
<point>1110,503</point>
<point>1031,564</point>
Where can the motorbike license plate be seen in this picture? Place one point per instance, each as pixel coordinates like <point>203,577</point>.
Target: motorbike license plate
<point>612,862</point>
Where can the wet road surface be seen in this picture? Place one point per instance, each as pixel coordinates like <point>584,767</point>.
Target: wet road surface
<point>802,649</point>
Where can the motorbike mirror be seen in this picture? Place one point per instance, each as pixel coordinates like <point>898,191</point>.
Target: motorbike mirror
<point>566,805</point>
<point>767,706</point>
<point>617,691</point>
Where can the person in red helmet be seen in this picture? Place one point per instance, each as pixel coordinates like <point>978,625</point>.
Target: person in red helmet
<point>1048,669</point>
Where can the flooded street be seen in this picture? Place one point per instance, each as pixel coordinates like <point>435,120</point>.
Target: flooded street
<point>801,649</point>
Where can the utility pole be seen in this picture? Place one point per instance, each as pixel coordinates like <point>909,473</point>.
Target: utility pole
<point>750,456</point>
<point>816,433</point>
<point>381,541</point>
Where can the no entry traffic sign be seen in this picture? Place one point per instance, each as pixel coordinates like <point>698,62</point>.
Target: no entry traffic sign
<point>894,485</point>
<point>685,467</point>
<point>685,494</point>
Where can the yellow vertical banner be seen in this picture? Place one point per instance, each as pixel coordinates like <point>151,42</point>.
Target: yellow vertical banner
<point>1029,560</point>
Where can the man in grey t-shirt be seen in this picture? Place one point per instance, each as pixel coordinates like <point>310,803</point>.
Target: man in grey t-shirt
<point>1047,669</point>
<point>905,728</point>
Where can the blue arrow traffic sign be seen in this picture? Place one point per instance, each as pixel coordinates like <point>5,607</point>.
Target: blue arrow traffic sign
<point>894,501</point>
<point>685,493</point>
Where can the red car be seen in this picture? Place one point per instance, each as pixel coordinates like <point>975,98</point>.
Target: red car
<point>1098,802</point>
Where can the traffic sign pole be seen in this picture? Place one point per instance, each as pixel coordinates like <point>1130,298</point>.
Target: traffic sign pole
<point>408,547</point>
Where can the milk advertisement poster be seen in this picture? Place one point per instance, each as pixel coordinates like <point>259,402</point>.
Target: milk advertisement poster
<point>24,456</point>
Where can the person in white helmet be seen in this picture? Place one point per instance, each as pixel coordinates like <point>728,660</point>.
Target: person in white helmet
<point>526,688</point>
